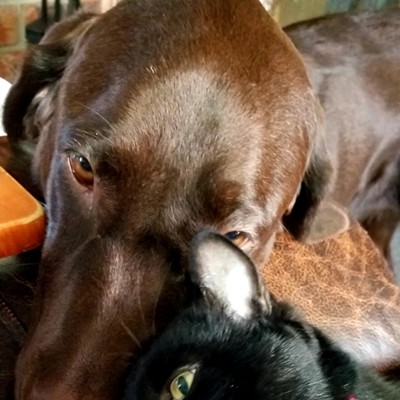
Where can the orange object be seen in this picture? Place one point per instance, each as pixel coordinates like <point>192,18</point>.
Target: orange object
<point>22,220</point>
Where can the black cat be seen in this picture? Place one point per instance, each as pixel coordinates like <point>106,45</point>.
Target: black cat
<point>236,342</point>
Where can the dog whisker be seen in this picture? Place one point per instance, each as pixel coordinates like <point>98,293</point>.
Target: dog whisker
<point>24,264</point>
<point>140,280</point>
<point>153,323</point>
<point>101,116</point>
<point>131,334</point>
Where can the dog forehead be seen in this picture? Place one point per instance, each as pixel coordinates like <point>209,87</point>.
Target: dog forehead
<point>190,118</point>
<point>191,139</point>
<point>186,149</point>
<point>178,145</point>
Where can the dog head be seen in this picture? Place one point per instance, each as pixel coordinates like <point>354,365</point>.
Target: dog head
<point>150,123</point>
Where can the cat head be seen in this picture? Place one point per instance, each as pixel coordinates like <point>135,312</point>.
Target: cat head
<point>236,342</point>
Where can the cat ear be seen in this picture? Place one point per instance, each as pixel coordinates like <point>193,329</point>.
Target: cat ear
<point>224,274</point>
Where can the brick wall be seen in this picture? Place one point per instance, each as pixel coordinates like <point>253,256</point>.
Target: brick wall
<point>14,16</point>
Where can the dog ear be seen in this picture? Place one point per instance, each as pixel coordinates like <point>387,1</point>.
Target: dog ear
<point>225,275</point>
<point>312,219</point>
<point>331,219</point>
<point>30,102</point>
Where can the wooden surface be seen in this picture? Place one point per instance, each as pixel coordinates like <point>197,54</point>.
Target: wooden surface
<point>22,220</point>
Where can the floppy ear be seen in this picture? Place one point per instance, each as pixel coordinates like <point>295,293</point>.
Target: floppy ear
<point>226,275</point>
<point>307,215</point>
<point>30,103</point>
<point>330,220</point>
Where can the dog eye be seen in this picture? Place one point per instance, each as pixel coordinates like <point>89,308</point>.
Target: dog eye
<point>237,237</point>
<point>81,169</point>
<point>180,386</point>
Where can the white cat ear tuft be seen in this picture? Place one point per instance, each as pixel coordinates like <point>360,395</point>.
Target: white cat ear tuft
<point>223,272</point>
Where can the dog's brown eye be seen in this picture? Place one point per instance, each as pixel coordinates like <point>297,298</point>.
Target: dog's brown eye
<point>237,237</point>
<point>81,169</point>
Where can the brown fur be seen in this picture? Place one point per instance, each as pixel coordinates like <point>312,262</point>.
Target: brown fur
<point>353,61</point>
<point>193,115</point>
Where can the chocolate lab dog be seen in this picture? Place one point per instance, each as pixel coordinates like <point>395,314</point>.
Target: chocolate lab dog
<point>152,122</point>
<point>353,61</point>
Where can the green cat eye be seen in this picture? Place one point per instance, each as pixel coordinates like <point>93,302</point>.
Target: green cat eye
<point>180,386</point>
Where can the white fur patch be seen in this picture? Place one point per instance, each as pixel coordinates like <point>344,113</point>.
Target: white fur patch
<point>225,274</point>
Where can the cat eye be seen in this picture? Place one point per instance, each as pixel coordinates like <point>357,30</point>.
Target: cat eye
<point>238,237</point>
<point>81,169</point>
<point>180,385</point>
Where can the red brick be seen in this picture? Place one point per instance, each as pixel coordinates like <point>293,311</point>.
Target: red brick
<point>10,64</point>
<point>9,25</point>
<point>30,13</point>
